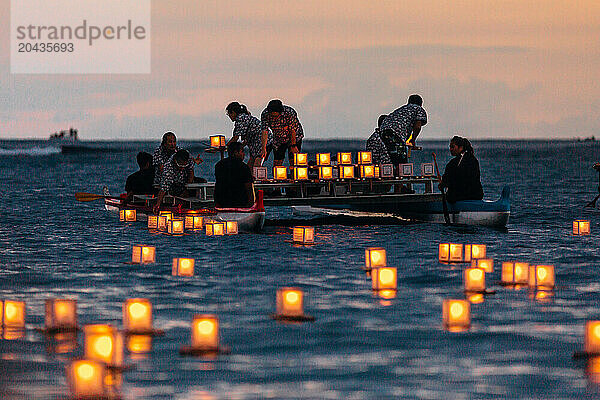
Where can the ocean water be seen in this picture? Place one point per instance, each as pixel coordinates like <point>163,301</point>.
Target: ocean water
<point>360,346</point>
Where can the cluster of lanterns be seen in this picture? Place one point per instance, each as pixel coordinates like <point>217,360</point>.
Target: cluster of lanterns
<point>384,279</point>
<point>192,221</point>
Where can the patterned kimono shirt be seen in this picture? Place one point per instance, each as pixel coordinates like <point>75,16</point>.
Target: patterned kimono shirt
<point>159,159</point>
<point>402,120</point>
<point>282,126</point>
<point>377,148</point>
<point>248,128</point>
<point>174,178</point>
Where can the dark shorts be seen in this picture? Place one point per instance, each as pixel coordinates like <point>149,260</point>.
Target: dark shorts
<point>394,146</point>
<point>279,152</point>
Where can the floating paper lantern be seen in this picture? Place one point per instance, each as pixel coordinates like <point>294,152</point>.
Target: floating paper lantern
<point>194,222</point>
<point>280,173</point>
<point>143,254</point>
<point>215,228</point>
<point>347,172</point>
<point>581,227</point>
<point>367,171</point>
<point>162,223</point>
<point>303,234</point>
<point>326,172</point>
<point>205,332</point>
<point>260,173</point>
<point>61,314</point>
<point>375,257</point>
<point>474,280</point>
<point>541,277</point>
<point>456,315</point>
<point>300,173</point>
<point>103,343</point>
<point>175,227</point>
<point>217,141</point>
<point>384,278</point>
<point>592,337</point>
<point>290,302</point>
<point>474,251</point>
<point>515,273</point>
<point>323,159</point>
<point>128,215</point>
<point>486,264</point>
<point>183,267</point>
<point>450,252</point>
<point>344,158</point>
<point>300,159</point>
<point>13,314</point>
<point>365,157</point>
<point>86,379</point>
<point>231,228</point>
<point>137,315</point>
<point>152,221</point>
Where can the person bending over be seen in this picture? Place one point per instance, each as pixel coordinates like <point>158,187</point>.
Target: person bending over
<point>177,172</point>
<point>246,127</point>
<point>287,131</point>
<point>142,181</point>
<point>233,179</point>
<point>462,176</point>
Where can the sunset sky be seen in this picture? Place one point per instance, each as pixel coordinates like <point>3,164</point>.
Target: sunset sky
<point>485,69</point>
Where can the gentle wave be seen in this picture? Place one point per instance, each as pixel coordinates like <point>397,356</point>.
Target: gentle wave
<point>32,151</point>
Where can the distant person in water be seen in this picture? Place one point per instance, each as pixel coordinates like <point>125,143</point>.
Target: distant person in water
<point>177,173</point>
<point>247,127</point>
<point>462,175</point>
<point>402,127</point>
<point>142,181</point>
<point>376,146</point>
<point>233,179</point>
<point>164,152</point>
<point>287,131</point>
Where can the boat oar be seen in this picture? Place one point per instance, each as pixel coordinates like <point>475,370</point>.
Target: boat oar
<point>82,196</point>
<point>444,203</point>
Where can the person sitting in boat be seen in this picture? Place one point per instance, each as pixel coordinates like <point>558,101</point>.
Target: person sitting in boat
<point>287,131</point>
<point>142,181</point>
<point>247,127</point>
<point>163,153</point>
<point>177,172</point>
<point>462,175</point>
<point>376,147</point>
<point>402,127</point>
<point>233,179</point>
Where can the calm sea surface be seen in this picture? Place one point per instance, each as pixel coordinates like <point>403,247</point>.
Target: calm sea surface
<point>359,347</point>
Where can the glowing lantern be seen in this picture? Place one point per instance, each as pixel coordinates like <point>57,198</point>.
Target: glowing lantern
<point>217,141</point>
<point>474,280</point>
<point>205,332</point>
<point>300,173</point>
<point>303,234</point>
<point>475,298</point>
<point>344,158</point>
<point>456,315</point>
<point>367,171</point>
<point>168,214</point>
<point>592,369</point>
<point>486,264</point>
<point>193,222</point>
<point>375,257</point>
<point>280,173</point>
<point>290,302</point>
<point>300,159</point>
<point>450,252</point>
<point>581,227</point>
<point>162,223</point>
<point>128,215</point>
<point>175,227</point>
<point>260,173</point>
<point>347,171</point>
<point>86,379</point>
<point>541,276</point>
<point>103,343</point>
<point>152,221</point>
<point>13,314</point>
<point>61,314</point>
<point>231,228</point>
<point>515,273</point>
<point>376,171</point>
<point>474,251</point>
<point>384,278</point>
<point>139,344</point>
<point>143,254</point>
<point>183,267</point>
<point>444,252</point>
<point>323,159</point>
<point>326,172</point>
<point>386,170</point>
<point>365,157</point>
<point>592,337</point>
<point>215,228</point>
<point>137,315</point>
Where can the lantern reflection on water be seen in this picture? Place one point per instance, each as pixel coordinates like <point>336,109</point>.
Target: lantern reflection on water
<point>456,315</point>
<point>139,344</point>
<point>86,379</point>
<point>183,267</point>
<point>61,314</point>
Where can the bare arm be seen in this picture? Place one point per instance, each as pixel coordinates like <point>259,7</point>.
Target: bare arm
<point>159,199</point>
<point>415,132</point>
<point>263,142</point>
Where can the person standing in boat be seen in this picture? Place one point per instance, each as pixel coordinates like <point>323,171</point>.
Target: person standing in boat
<point>402,127</point>
<point>462,176</point>
<point>247,127</point>
<point>376,147</point>
<point>142,181</point>
<point>177,172</point>
<point>233,179</point>
<point>287,131</point>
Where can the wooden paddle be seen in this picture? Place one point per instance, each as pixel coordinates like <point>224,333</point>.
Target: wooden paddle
<point>82,196</point>
<point>444,203</point>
